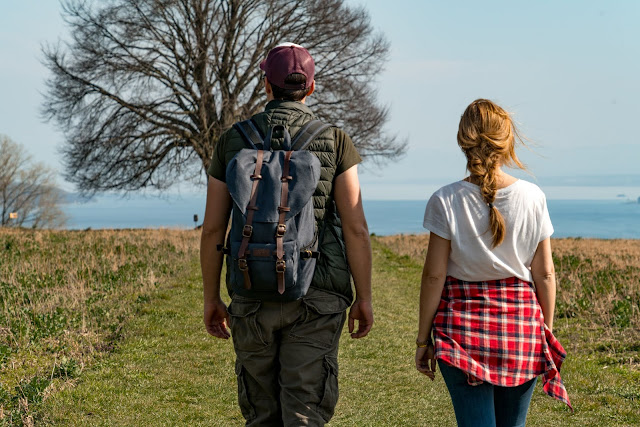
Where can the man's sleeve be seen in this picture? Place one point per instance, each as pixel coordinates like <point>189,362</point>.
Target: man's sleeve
<point>346,153</point>
<point>218,167</point>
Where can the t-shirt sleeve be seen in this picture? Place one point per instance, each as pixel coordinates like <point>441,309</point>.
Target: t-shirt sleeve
<point>346,153</point>
<point>546,228</point>
<point>435,217</point>
<point>218,167</point>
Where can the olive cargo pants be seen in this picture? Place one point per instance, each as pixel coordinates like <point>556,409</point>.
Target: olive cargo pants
<point>287,365</point>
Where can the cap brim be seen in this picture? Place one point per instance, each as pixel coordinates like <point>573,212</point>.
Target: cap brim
<point>263,64</point>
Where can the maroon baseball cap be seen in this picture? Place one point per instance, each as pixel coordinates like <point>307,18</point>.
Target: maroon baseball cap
<point>285,59</point>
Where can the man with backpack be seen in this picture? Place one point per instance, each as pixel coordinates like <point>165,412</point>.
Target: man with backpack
<point>298,234</point>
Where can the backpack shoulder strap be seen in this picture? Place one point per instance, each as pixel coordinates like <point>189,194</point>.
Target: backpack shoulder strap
<point>308,133</point>
<point>249,132</point>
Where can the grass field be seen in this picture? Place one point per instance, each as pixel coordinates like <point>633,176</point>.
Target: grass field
<point>64,300</point>
<point>97,335</point>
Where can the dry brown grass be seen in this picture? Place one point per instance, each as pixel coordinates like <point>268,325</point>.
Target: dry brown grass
<point>604,253</point>
<point>412,245</point>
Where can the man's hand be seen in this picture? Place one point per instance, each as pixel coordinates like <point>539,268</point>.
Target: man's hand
<point>362,311</point>
<point>216,319</point>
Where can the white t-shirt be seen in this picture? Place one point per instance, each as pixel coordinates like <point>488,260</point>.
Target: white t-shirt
<point>457,212</point>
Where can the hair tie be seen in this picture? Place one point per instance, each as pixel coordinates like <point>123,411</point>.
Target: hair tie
<point>490,205</point>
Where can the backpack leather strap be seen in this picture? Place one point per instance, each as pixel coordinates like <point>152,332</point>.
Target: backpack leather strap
<point>308,133</point>
<point>248,225</point>
<point>282,227</point>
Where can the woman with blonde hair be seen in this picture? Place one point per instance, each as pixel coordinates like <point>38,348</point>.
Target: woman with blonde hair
<point>488,284</point>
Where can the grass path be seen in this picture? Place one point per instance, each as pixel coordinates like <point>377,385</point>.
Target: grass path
<point>167,371</point>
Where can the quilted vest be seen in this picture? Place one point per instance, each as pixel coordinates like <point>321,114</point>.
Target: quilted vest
<point>332,272</point>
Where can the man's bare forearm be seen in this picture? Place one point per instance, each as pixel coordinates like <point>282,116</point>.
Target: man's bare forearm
<point>358,246</point>
<point>211,263</point>
<point>214,229</point>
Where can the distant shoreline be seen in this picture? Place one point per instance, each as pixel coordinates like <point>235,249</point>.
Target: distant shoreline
<point>185,229</point>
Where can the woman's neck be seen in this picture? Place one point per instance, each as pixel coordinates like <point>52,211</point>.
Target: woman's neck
<point>502,179</point>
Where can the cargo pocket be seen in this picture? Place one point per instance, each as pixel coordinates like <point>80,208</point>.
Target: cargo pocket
<point>323,321</point>
<point>248,412</point>
<point>330,396</point>
<point>245,331</point>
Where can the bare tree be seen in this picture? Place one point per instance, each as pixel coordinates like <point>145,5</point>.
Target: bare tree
<point>28,194</point>
<point>144,88</point>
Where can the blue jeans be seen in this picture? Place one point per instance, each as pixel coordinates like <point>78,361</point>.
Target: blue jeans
<point>486,405</point>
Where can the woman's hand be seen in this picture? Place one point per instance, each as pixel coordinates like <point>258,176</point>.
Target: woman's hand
<point>426,361</point>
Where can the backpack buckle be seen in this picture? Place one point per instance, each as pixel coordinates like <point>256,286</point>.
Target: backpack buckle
<point>280,230</point>
<point>242,264</point>
<point>247,230</point>
<point>280,266</point>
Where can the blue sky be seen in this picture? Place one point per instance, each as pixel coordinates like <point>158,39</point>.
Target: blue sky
<point>568,70</point>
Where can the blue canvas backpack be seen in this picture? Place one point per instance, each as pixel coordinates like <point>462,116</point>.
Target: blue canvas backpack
<point>273,241</point>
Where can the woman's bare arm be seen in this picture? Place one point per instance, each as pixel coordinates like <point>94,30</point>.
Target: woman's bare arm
<point>544,279</point>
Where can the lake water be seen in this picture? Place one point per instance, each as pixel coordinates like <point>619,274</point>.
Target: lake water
<point>606,219</point>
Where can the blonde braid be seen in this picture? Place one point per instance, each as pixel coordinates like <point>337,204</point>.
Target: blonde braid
<point>486,135</point>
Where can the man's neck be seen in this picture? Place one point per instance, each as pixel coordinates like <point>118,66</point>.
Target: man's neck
<point>271,98</point>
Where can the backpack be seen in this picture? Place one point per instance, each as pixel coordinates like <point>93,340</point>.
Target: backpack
<point>273,241</point>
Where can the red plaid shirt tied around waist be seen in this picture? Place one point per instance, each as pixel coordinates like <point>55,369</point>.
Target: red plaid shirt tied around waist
<point>495,332</point>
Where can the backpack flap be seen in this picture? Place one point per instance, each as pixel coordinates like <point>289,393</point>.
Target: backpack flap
<point>304,167</point>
